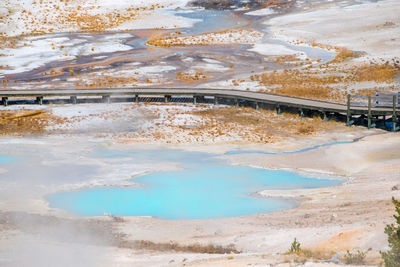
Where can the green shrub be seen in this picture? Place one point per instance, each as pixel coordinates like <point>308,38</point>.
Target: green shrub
<point>355,259</point>
<point>391,257</point>
<point>295,247</point>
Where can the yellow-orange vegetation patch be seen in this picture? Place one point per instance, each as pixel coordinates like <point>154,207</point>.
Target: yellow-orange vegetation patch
<point>226,37</point>
<point>9,42</point>
<point>272,3</point>
<point>344,54</point>
<point>106,81</point>
<point>204,124</point>
<point>259,126</point>
<point>25,122</point>
<point>87,22</point>
<point>327,82</point>
<point>300,83</point>
<point>75,15</point>
<point>289,59</point>
<point>375,72</point>
<point>191,76</point>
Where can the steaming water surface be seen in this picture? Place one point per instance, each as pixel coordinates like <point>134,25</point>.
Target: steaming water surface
<point>206,187</point>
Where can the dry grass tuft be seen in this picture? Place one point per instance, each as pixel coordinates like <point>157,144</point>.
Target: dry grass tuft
<point>305,255</point>
<point>24,122</point>
<point>106,81</point>
<point>262,126</point>
<point>297,254</point>
<point>224,124</point>
<point>176,247</point>
<point>305,84</point>
<point>71,16</point>
<point>327,82</point>
<point>344,54</point>
<point>292,60</point>
<point>230,114</point>
<point>10,42</point>
<point>273,3</point>
<point>191,76</point>
<point>172,124</point>
<point>305,129</point>
<point>375,72</point>
<point>226,37</point>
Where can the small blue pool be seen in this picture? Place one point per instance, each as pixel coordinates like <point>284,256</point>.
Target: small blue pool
<point>6,159</point>
<point>206,187</point>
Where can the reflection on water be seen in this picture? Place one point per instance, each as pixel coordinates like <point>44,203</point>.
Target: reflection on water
<point>211,20</point>
<point>314,53</point>
<point>206,187</point>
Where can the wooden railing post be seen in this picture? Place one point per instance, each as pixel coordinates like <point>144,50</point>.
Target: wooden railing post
<point>301,113</point>
<point>39,100</point>
<point>325,116</point>
<point>73,99</point>
<point>348,111</point>
<point>369,112</point>
<point>105,99</point>
<point>394,116</point>
<point>4,100</point>
<point>278,109</point>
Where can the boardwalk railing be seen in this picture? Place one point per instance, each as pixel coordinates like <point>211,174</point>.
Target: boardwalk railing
<point>380,100</point>
<point>356,108</point>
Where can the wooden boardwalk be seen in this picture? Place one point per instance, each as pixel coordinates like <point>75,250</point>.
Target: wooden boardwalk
<point>371,107</point>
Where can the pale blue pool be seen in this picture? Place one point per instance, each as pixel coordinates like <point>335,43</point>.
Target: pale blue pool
<point>6,159</point>
<point>207,187</point>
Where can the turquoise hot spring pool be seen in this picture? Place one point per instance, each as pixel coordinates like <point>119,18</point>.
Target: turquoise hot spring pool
<point>206,187</point>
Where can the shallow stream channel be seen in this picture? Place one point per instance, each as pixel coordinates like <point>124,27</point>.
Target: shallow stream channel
<point>123,54</point>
